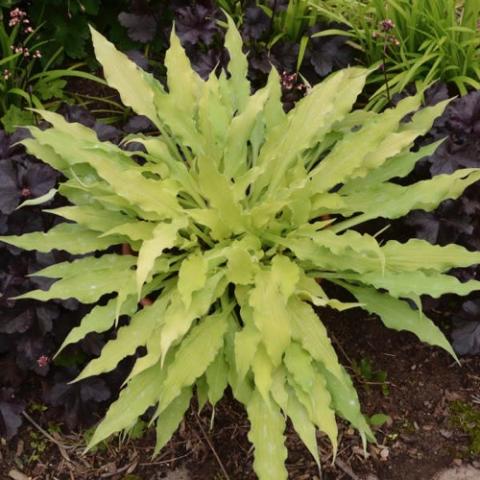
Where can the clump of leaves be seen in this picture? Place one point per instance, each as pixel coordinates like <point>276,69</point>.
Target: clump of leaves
<point>233,212</point>
<point>454,220</point>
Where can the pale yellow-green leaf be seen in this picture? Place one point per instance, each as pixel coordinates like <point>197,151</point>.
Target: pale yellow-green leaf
<point>92,218</point>
<point>241,267</point>
<point>345,401</point>
<point>262,371</point>
<point>169,420</point>
<point>420,255</point>
<point>351,152</point>
<point>100,319</point>
<point>196,352</point>
<point>135,86</point>
<point>302,424</point>
<point>87,287</point>
<point>217,378</point>
<point>237,66</point>
<point>246,345</point>
<point>299,365</point>
<point>46,154</point>
<point>192,276</point>
<point>412,284</point>
<point>309,331</point>
<point>178,319</point>
<point>270,315</point>
<point>128,339</point>
<point>141,393</point>
<point>164,236</point>
<point>398,315</point>
<point>86,265</point>
<point>266,433</point>
<point>65,236</point>
<point>318,403</point>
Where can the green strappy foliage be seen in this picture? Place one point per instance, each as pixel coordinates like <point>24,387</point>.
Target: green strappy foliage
<point>234,212</point>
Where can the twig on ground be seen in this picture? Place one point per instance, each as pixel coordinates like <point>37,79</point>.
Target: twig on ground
<point>117,471</point>
<point>164,462</point>
<point>61,447</point>
<point>212,448</point>
<point>346,469</point>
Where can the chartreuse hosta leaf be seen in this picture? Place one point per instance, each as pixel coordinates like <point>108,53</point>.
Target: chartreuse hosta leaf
<point>234,212</point>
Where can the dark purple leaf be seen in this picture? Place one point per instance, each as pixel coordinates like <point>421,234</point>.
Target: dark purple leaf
<point>256,23</point>
<point>140,28</point>
<point>10,413</point>
<point>195,24</point>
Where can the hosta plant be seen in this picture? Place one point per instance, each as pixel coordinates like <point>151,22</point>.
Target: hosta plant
<point>230,220</point>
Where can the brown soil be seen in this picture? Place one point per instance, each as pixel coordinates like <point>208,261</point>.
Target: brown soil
<point>423,392</point>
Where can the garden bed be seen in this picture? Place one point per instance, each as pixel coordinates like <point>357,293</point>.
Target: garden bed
<point>197,246</point>
<point>432,403</point>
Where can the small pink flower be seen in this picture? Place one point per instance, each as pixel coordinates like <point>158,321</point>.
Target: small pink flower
<point>387,25</point>
<point>37,54</point>
<point>7,74</point>
<point>43,361</point>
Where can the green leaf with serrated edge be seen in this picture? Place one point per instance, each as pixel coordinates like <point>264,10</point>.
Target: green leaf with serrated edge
<point>270,315</point>
<point>164,236</point>
<point>396,167</point>
<point>201,386</point>
<point>237,66</point>
<point>218,190</point>
<point>135,231</point>
<point>141,393</point>
<point>192,276</point>
<point>87,287</point>
<point>262,369</point>
<point>309,331</point>
<point>388,200</point>
<point>183,82</point>
<point>153,346</point>
<point>46,154</point>
<point>217,378</point>
<point>179,319</point>
<point>169,420</point>
<point>286,398</point>
<point>345,401</point>
<point>50,195</point>
<point>241,268</point>
<point>416,255</point>
<point>334,98</point>
<point>398,315</point>
<point>267,426</point>
<point>246,342</point>
<point>86,265</point>
<point>318,403</point>
<point>72,238</point>
<point>128,339</point>
<point>135,86</point>
<point>100,319</point>
<point>299,364</point>
<point>302,424</point>
<point>194,355</point>
<point>337,166</point>
<point>412,284</point>
<point>60,123</point>
<point>239,133</point>
<point>91,217</point>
